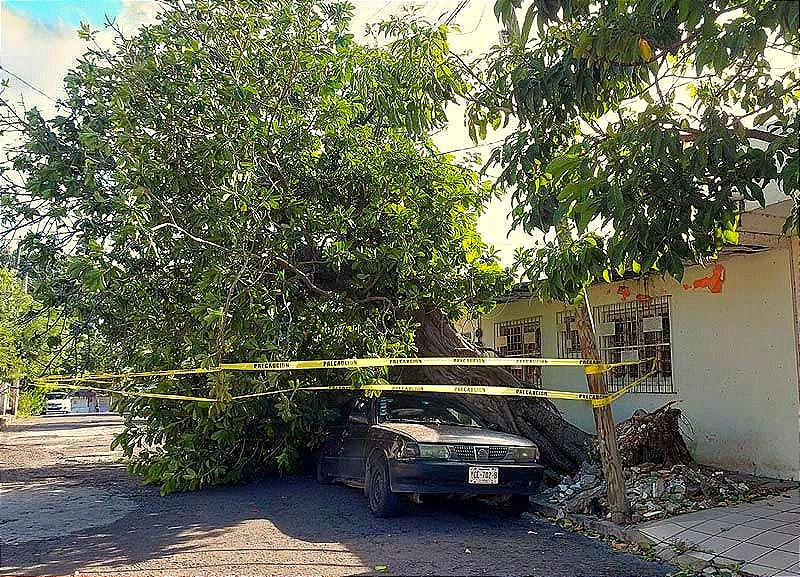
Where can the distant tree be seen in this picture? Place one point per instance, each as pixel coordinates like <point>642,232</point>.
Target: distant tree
<point>30,334</point>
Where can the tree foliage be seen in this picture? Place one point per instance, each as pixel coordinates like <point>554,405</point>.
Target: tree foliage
<point>31,335</point>
<point>244,181</point>
<point>642,128</point>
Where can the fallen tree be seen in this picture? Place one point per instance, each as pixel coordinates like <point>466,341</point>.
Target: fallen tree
<point>563,446</point>
<point>242,180</point>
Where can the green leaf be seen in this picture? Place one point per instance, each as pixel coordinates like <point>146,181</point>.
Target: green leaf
<point>584,41</point>
<point>528,22</point>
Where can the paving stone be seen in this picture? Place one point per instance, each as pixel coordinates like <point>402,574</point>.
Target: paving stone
<point>793,518</point>
<point>759,510</point>
<point>713,527</point>
<point>787,528</point>
<point>792,546</point>
<point>742,532</point>
<point>693,519</point>
<point>738,518</point>
<point>718,545</point>
<point>747,552</point>
<point>760,570</point>
<point>772,539</point>
<point>786,505</point>
<point>777,558</point>
<point>766,524</point>
<point>690,537</point>
<point>663,531</point>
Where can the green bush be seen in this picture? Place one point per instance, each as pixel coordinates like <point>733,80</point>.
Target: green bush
<point>31,402</point>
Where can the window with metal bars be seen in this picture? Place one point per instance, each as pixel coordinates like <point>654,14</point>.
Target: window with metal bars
<point>636,330</point>
<point>521,338</point>
<point>569,346</point>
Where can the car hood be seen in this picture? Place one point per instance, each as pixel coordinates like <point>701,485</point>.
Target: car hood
<point>455,435</point>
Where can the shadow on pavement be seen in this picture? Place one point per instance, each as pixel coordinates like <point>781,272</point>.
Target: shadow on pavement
<point>293,526</point>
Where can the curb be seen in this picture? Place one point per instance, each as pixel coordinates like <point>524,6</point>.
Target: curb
<point>627,534</point>
<point>602,526</point>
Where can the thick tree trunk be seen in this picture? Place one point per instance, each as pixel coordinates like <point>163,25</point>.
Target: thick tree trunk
<point>604,420</point>
<point>563,446</point>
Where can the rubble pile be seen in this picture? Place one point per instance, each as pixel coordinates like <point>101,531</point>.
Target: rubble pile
<point>654,492</point>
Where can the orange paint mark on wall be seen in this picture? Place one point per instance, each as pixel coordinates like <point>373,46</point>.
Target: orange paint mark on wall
<point>712,282</point>
<point>623,292</point>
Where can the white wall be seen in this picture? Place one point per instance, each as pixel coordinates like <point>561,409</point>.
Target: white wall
<point>734,356</point>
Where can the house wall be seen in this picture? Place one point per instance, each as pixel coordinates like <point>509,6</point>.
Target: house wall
<point>734,358</point>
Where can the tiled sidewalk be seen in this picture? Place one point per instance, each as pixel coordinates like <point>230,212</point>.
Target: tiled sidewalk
<point>764,536</point>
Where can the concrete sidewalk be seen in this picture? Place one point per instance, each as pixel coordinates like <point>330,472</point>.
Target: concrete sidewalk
<point>764,536</point>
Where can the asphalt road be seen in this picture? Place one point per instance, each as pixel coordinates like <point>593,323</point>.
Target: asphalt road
<point>66,507</point>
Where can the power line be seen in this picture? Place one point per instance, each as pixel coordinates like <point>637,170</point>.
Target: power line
<point>477,24</point>
<point>26,83</point>
<point>379,10</point>
<point>481,145</point>
<point>455,11</point>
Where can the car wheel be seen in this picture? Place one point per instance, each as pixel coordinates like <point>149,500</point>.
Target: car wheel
<point>382,502</point>
<point>322,477</point>
<point>516,505</point>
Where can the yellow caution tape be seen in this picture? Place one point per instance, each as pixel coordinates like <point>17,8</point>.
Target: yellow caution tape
<point>610,398</point>
<point>131,375</point>
<point>590,367</point>
<point>128,393</point>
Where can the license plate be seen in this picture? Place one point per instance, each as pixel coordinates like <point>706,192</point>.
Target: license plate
<point>483,476</point>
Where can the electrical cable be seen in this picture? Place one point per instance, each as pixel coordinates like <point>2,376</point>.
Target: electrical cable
<point>26,83</point>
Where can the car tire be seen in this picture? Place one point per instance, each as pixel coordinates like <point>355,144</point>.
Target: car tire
<point>516,505</point>
<point>382,502</point>
<point>322,477</point>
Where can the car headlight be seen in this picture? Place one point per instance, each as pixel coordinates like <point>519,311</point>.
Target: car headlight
<point>409,450</point>
<point>433,451</point>
<point>525,454</point>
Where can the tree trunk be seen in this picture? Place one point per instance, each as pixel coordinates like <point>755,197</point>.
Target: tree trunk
<point>604,420</point>
<point>563,446</point>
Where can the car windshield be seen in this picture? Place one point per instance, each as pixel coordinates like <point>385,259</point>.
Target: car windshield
<point>421,409</point>
<point>56,396</point>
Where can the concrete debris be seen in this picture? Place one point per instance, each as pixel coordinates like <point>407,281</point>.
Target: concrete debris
<point>656,492</point>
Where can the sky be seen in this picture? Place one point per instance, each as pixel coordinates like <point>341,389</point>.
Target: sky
<point>39,43</point>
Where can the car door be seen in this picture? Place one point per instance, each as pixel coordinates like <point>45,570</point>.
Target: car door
<point>354,440</point>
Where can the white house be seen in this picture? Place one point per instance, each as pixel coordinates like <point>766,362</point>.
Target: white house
<point>727,341</point>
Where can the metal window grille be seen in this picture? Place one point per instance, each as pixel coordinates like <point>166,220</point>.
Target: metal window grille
<point>521,338</point>
<point>569,346</point>
<point>629,331</point>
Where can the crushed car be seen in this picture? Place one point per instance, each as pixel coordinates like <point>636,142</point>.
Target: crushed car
<point>417,444</point>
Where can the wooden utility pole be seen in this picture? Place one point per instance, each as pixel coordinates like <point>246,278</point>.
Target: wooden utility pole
<point>603,418</point>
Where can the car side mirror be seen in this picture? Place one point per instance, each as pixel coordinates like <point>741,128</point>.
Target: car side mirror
<point>359,419</point>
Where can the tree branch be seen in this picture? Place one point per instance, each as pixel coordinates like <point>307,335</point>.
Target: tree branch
<point>286,265</point>
<point>754,133</point>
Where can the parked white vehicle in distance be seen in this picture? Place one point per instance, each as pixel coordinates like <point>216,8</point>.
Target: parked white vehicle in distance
<point>58,403</point>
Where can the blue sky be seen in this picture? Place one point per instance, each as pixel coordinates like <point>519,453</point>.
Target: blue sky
<point>65,12</point>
